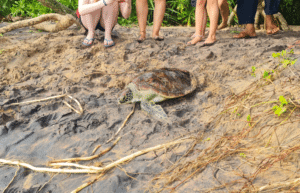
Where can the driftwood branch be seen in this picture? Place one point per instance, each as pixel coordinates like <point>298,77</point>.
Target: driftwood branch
<point>63,22</point>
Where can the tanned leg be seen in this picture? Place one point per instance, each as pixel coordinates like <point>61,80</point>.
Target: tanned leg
<point>213,13</point>
<point>201,19</point>
<point>224,10</point>
<point>159,11</point>
<point>142,13</point>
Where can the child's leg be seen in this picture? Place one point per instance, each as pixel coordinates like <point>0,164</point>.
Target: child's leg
<point>90,21</point>
<point>108,20</point>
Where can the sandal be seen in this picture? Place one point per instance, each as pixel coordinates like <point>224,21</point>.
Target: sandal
<point>140,40</point>
<point>158,38</point>
<point>109,45</point>
<point>88,40</point>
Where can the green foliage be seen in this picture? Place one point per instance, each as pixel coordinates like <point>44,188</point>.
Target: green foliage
<point>5,6</point>
<point>34,8</point>
<point>284,59</point>
<point>253,71</point>
<point>1,35</point>
<point>278,110</point>
<point>243,155</point>
<point>290,11</point>
<point>2,50</point>
<point>178,12</point>
<point>249,120</point>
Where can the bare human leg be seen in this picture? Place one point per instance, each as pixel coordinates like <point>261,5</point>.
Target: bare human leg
<point>224,10</point>
<point>90,21</point>
<point>142,13</point>
<point>108,21</point>
<point>201,19</point>
<point>159,11</point>
<point>213,13</point>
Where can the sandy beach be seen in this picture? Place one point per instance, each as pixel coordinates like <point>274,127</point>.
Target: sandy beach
<point>36,65</point>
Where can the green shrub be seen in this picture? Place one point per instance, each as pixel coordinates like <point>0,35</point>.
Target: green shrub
<point>178,12</point>
<point>290,9</point>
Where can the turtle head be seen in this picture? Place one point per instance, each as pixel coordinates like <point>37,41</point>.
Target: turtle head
<point>126,96</point>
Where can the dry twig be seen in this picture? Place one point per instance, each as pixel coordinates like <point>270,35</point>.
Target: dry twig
<point>11,180</point>
<point>122,124</point>
<point>87,158</point>
<point>80,111</point>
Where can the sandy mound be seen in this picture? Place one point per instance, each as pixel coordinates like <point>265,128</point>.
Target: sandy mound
<point>38,65</point>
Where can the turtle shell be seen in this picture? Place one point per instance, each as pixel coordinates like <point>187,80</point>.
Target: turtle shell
<point>168,82</point>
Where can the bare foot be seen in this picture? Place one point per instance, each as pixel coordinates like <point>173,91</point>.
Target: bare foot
<point>222,26</point>
<point>196,39</point>
<point>271,28</point>
<point>245,34</point>
<point>210,40</point>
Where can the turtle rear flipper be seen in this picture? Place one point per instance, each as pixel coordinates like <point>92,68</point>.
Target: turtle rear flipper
<point>153,109</point>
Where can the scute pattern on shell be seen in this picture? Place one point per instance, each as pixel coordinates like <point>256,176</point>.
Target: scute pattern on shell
<point>168,82</point>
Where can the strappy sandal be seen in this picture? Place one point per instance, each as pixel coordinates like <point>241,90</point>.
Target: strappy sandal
<point>190,42</point>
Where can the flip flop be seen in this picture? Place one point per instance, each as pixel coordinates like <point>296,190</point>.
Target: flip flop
<point>243,35</point>
<point>88,40</point>
<point>158,38</point>
<point>207,44</point>
<point>107,46</point>
<point>140,40</point>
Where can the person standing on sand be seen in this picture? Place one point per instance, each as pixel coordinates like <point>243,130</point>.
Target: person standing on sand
<point>142,13</point>
<point>224,10</point>
<point>246,10</point>
<point>201,20</point>
<point>89,13</point>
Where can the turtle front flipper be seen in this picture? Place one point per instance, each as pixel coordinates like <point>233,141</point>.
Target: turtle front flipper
<point>153,109</point>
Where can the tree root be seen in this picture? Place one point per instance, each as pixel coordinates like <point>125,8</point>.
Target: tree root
<point>63,22</point>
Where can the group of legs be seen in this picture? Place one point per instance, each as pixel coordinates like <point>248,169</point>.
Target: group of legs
<point>246,11</point>
<point>108,14</point>
<point>104,18</point>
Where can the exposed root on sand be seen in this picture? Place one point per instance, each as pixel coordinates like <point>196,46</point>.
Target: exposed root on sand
<point>63,22</point>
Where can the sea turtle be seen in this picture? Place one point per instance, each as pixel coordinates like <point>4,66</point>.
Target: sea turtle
<point>156,86</point>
